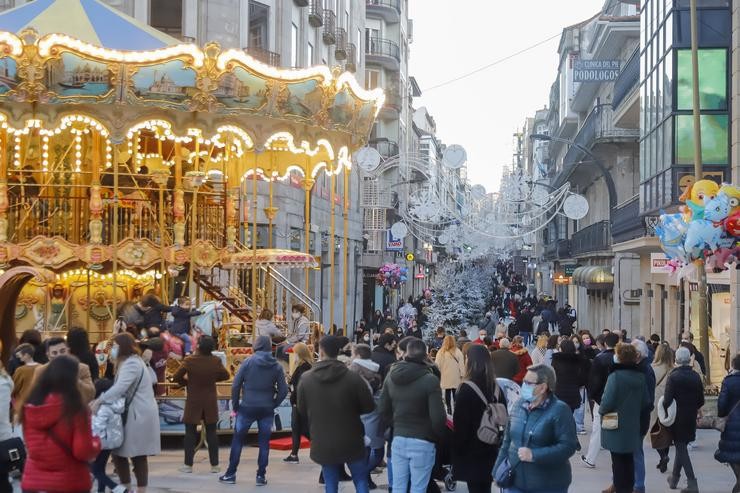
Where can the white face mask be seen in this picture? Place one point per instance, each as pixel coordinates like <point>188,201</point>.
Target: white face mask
<point>296,315</point>
<point>114,352</point>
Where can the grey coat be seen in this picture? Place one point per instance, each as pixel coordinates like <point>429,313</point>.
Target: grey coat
<point>141,432</point>
<point>6,388</point>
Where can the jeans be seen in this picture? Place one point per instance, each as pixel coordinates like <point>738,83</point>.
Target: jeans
<point>580,413</point>
<point>374,457</point>
<point>683,461</point>
<point>358,470</point>
<point>639,459</point>
<point>623,471</point>
<point>187,342</point>
<point>389,462</point>
<point>527,336</point>
<point>413,461</point>
<point>98,471</point>
<point>594,445</point>
<point>245,418</point>
<point>191,440</point>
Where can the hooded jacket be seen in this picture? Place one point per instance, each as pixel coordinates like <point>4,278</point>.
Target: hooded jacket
<point>60,463</point>
<point>107,424</point>
<point>524,361</point>
<point>266,328</point>
<point>374,429</point>
<point>259,382</point>
<point>412,401</point>
<point>331,399</point>
<point>384,358</point>
<point>300,329</point>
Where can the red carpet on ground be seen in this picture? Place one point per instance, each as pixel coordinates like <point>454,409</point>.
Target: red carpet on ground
<point>286,443</point>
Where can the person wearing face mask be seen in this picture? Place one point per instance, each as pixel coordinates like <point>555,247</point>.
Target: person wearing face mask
<point>299,330</point>
<point>585,366</point>
<point>588,345</point>
<point>540,438</point>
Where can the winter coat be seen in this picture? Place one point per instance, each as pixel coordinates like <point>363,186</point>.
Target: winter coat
<point>299,330</point>
<point>505,363</point>
<point>181,319</point>
<point>412,401</point>
<point>384,358</point>
<point>686,389</point>
<point>141,431</point>
<point>267,328</point>
<point>259,382</point>
<point>6,388</point>
<point>57,464</point>
<point>524,361</point>
<point>200,374</point>
<point>728,407</point>
<point>570,378</point>
<point>647,370</point>
<point>472,460</point>
<point>601,366</point>
<point>331,399</point>
<point>153,316</point>
<point>627,395</point>
<point>524,322</point>
<point>550,432</point>
<point>452,368</point>
<point>661,380</point>
<point>107,424</point>
<point>84,381</point>
<point>372,421</point>
<point>295,379</point>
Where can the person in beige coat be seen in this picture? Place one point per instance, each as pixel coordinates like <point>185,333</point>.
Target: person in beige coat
<point>662,366</point>
<point>451,365</point>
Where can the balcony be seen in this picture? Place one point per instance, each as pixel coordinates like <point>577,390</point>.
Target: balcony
<point>329,36</point>
<point>316,13</point>
<point>627,224</point>
<point>392,106</point>
<point>386,148</point>
<point>301,3</point>
<point>594,238</point>
<point>351,63</point>
<point>263,55</point>
<point>383,52</point>
<point>626,97</point>
<point>557,250</point>
<point>389,10</point>
<point>340,51</point>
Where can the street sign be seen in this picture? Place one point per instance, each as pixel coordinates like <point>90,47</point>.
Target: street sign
<point>595,70</point>
<point>410,257</point>
<point>568,270</point>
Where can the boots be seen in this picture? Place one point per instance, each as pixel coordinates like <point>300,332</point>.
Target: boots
<point>610,489</point>
<point>692,487</point>
<point>673,481</point>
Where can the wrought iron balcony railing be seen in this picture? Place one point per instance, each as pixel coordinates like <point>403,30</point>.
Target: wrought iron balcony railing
<point>393,4</point>
<point>593,238</point>
<point>386,148</point>
<point>264,56</point>
<point>628,79</point>
<point>316,13</point>
<point>330,26</point>
<point>383,47</point>
<point>627,224</point>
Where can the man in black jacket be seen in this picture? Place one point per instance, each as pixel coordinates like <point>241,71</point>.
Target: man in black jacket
<point>384,353</point>
<point>331,399</point>
<point>600,370</point>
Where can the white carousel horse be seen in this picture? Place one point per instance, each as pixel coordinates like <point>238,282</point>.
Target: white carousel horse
<point>211,317</point>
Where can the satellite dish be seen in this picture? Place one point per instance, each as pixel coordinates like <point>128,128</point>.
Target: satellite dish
<point>575,206</point>
<point>399,230</point>
<point>367,158</point>
<point>454,157</point>
<point>478,192</point>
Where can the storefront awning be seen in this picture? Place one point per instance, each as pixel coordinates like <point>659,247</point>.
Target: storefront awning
<point>593,277</point>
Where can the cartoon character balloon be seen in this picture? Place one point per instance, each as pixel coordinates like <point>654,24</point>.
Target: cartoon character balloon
<point>695,196</point>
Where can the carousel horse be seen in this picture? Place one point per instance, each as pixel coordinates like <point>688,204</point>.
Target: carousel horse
<point>211,318</point>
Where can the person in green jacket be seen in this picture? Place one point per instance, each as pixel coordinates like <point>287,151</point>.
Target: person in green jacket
<point>626,395</point>
<point>412,401</point>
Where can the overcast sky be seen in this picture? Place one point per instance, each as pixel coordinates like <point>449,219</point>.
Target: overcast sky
<point>483,111</point>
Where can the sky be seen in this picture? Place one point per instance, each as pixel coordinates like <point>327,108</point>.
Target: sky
<point>483,111</point>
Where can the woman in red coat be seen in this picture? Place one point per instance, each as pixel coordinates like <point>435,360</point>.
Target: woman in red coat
<point>525,361</point>
<point>56,428</point>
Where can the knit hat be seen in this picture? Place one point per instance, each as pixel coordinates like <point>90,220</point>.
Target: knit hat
<point>263,343</point>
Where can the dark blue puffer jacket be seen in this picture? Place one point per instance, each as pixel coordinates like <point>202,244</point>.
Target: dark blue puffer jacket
<point>729,442</point>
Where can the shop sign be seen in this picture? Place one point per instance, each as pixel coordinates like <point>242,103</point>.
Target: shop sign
<point>568,270</point>
<point>658,263</point>
<point>595,70</point>
<point>410,257</point>
<point>393,244</point>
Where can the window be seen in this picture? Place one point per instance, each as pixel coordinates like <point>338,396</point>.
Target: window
<point>712,79</point>
<point>294,46</point>
<point>259,20</point>
<point>166,16</point>
<point>309,55</point>
<point>714,134</point>
<point>372,79</point>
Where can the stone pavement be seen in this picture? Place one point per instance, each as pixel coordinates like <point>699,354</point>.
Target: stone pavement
<point>303,477</point>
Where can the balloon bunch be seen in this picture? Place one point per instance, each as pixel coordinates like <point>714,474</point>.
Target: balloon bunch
<point>391,275</point>
<point>708,226</point>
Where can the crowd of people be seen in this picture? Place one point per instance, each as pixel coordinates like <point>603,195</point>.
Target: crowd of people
<point>423,410</point>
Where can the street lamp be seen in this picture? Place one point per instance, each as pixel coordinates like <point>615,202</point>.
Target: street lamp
<point>612,189</point>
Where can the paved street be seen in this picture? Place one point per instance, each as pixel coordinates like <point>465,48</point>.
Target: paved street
<point>713,477</point>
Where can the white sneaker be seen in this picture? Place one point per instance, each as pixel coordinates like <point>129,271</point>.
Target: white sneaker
<point>120,489</point>
<point>186,469</point>
<point>215,469</point>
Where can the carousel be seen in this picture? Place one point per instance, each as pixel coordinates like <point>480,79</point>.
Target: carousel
<point>132,164</point>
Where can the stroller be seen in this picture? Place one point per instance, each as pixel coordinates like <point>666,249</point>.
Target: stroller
<point>443,462</point>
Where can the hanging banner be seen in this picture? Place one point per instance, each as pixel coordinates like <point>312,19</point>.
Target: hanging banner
<point>393,244</point>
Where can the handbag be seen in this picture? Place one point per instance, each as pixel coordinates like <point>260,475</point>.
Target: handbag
<point>720,423</point>
<point>610,421</point>
<point>12,455</point>
<point>660,436</point>
<point>505,473</point>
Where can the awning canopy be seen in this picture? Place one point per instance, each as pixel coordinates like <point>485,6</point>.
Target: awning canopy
<point>593,277</point>
<point>87,20</point>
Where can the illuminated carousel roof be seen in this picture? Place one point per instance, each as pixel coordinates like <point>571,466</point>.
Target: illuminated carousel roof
<point>272,257</point>
<point>90,21</point>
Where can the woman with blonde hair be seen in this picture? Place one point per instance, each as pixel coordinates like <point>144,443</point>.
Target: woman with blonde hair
<point>302,362</point>
<point>662,366</point>
<point>540,350</point>
<point>451,365</point>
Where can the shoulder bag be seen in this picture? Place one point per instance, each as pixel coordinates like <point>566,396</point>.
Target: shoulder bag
<point>720,423</point>
<point>12,455</point>
<point>660,435</point>
<point>495,417</point>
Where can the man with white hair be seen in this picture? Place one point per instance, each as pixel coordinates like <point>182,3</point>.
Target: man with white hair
<point>505,363</point>
<point>643,364</point>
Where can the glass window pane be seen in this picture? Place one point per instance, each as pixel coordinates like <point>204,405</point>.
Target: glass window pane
<point>659,92</point>
<point>659,163</point>
<point>668,142</point>
<point>712,79</point>
<point>668,31</point>
<point>667,86</point>
<point>642,160</point>
<point>714,135</point>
